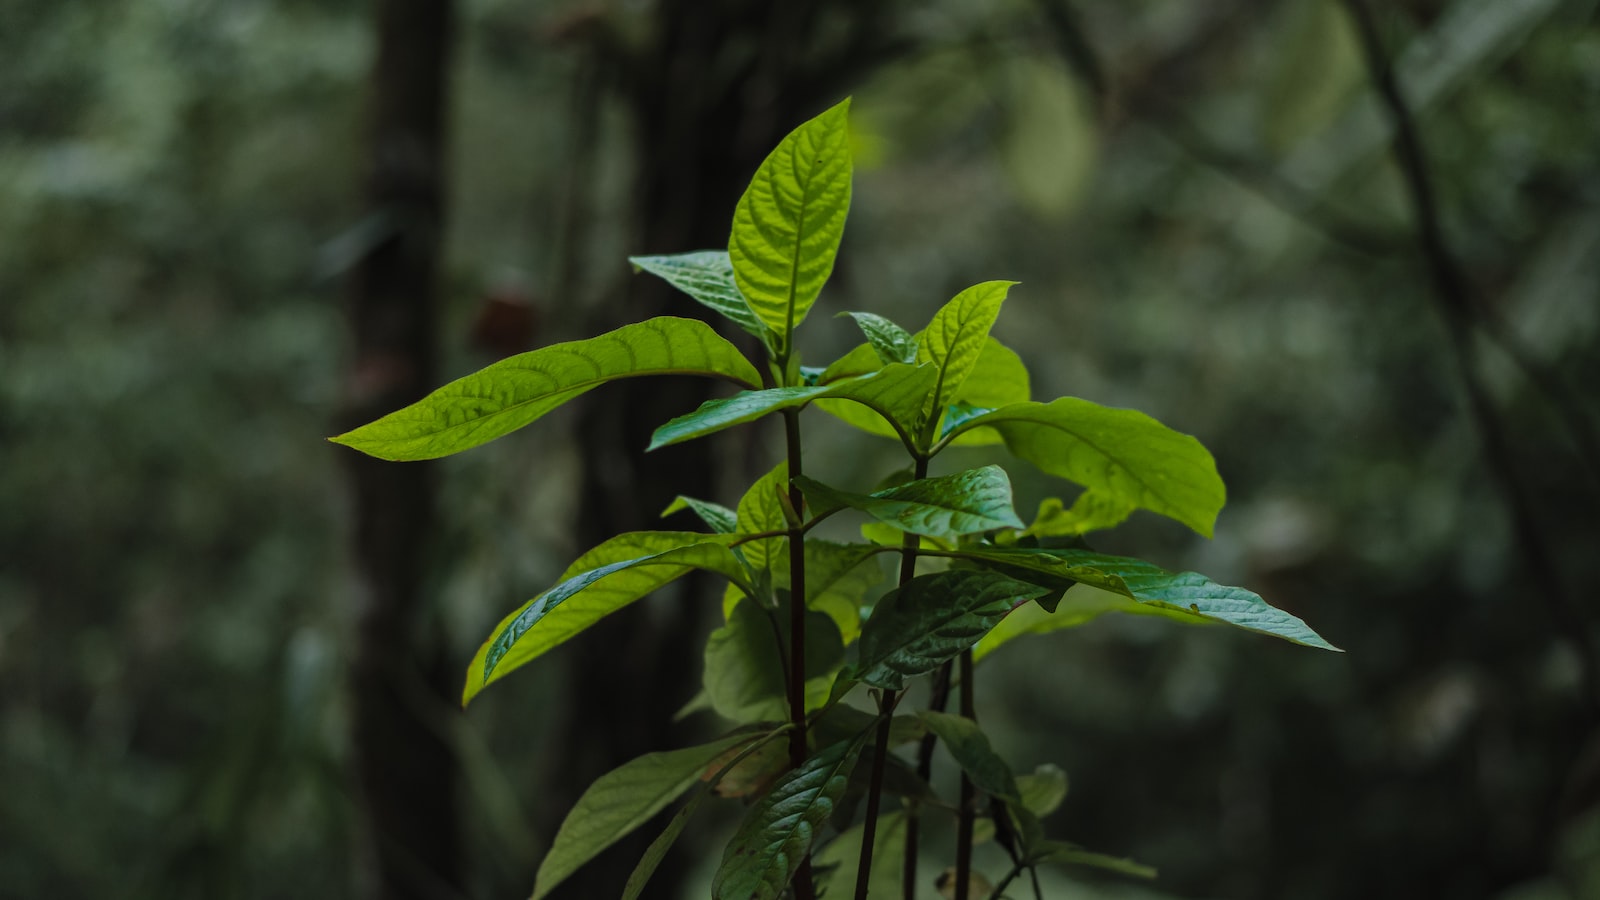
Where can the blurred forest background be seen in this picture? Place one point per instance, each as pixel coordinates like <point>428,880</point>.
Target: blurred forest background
<point>229,656</point>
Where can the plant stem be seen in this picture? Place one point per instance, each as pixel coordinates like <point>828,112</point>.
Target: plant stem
<point>886,703</point>
<point>966,812</point>
<point>937,701</point>
<point>804,889</point>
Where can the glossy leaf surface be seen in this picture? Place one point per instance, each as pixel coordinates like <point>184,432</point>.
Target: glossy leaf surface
<point>718,518</point>
<point>892,343</point>
<point>1121,453</point>
<point>602,581</point>
<point>516,391</point>
<point>780,830</point>
<point>788,224</point>
<point>707,276</point>
<point>969,502</point>
<point>932,618</point>
<point>1146,588</point>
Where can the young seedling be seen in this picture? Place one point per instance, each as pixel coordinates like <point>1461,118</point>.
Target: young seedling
<point>805,628</point>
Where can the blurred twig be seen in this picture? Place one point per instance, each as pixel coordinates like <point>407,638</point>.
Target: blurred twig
<point>1171,123</point>
<point>1453,299</point>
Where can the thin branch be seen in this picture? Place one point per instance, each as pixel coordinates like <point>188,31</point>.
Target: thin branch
<point>1452,298</point>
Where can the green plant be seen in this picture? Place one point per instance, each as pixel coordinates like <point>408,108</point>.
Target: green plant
<point>780,667</point>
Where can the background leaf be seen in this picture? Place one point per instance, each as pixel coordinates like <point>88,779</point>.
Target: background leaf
<point>932,618</point>
<point>1122,453</point>
<point>840,860</point>
<point>622,800</point>
<point>514,392</point>
<point>779,831</point>
<point>788,223</point>
<point>744,670</point>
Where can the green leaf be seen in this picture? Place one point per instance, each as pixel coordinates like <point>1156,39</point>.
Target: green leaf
<point>761,510</point>
<point>1043,789</point>
<point>1092,511</point>
<point>1121,453</point>
<point>957,335</point>
<point>719,518</point>
<point>887,402</point>
<point>744,669</point>
<point>971,750</point>
<point>859,361</point>
<point>707,276</point>
<point>998,379</point>
<point>837,583</point>
<point>1067,854</point>
<point>892,343</point>
<point>1185,596</point>
<point>967,502</point>
<point>1080,605</point>
<point>602,581</point>
<point>932,618</point>
<point>886,391</point>
<point>663,842</point>
<point>787,226</point>
<point>516,391</point>
<point>839,861</point>
<point>779,831</point>
<point>622,800</point>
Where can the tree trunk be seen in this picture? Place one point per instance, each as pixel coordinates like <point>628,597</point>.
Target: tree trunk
<point>401,687</point>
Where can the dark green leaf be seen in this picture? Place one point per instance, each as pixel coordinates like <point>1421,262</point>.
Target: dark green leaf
<point>602,581</point>
<point>718,518</point>
<point>744,672</point>
<point>932,618</point>
<point>1066,854</point>
<point>779,831</point>
<point>840,860</point>
<point>970,748</point>
<point>663,842</point>
<point>622,800</point>
<point>892,343</point>
<point>512,393</point>
<point>1185,596</point>
<point>1121,453</point>
<point>837,582</point>
<point>787,226</point>
<point>969,502</point>
<point>707,276</point>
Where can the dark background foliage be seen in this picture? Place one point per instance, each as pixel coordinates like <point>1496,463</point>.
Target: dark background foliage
<point>1202,204</point>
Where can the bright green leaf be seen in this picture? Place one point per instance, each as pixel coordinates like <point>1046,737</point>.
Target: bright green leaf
<point>787,226</point>
<point>761,510</point>
<point>892,343</point>
<point>1079,605</point>
<point>514,392</point>
<point>967,502</point>
<point>998,379</point>
<point>957,335</point>
<point>707,276</point>
<point>1121,453</point>
<point>1185,596</point>
<point>837,582</point>
<point>931,619</point>
<point>779,831</point>
<point>622,800</point>
<point>887,402</point>
<point>602,581</point>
